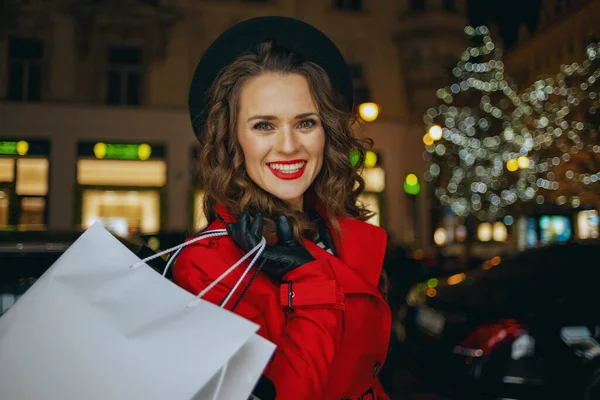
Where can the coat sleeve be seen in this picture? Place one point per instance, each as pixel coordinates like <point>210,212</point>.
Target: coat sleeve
<point>305,351</point>
<point>378,388</point>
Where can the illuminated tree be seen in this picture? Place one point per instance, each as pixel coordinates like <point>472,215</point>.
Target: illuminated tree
<point>478,162</point>
<point>563,112</point>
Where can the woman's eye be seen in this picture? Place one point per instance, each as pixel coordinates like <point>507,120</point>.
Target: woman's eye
<point>262,126</point>
<point>309,123</point>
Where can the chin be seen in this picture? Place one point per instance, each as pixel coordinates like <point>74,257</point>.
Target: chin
<point>287,195</point>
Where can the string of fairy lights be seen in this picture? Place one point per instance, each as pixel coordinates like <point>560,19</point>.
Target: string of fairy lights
<point>513,147</point>
<point>564,112</point>
<point>467,155</point>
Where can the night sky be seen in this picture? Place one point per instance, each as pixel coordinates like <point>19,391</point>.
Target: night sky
<point>507,14</point>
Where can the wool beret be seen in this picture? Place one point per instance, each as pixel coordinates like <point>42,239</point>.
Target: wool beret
<point>243,38</point>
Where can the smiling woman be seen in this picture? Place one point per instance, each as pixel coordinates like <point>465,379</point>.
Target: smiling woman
<point>283,110</point>
<point>275,133</point>
<point>283,152</point>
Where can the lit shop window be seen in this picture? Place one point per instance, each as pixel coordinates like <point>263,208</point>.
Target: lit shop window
<point>7,169</point>
<point>32,177</point>
<point>496,232</point>
<point>200,221</point>
<point>440,236</point>
<point>371,203</point>
<point>24,172</point>
<point>121,186</point>
<point>32,212</point>
<point>3,208</point>
<point>587,224</point>
<point>122,212</point>
<point>374,179</point>
<point>121,173</point>
<point>555,228</point>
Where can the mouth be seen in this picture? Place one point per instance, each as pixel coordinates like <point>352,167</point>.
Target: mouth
<point>288,170</point>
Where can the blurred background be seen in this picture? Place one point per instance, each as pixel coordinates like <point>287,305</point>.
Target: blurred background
<point>485,170</point>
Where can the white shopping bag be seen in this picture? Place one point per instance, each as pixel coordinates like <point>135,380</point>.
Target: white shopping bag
<point>237,379</point>
<point>93,327</point>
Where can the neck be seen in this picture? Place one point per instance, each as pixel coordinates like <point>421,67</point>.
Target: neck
<point>296,204</point>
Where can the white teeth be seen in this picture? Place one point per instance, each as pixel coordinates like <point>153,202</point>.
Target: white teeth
<point>288,168</point>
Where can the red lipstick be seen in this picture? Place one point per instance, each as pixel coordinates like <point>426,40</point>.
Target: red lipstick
<point>287,175</point>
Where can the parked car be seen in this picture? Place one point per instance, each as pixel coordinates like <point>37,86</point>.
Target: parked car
<point>25,256</point>
<point>521,328</point>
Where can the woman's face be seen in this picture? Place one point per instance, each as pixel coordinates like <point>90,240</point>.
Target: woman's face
<point>281,135</point>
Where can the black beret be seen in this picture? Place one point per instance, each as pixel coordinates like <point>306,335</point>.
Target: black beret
<point>243,38</point>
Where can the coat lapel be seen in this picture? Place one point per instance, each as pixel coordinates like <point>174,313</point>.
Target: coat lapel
<point>361,250</point>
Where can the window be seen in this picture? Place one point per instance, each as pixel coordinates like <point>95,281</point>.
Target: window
<point>122,212</point>
<point>417,5</point>
<point>200,221</point>
<point>3,208</point>
<point>25,69</point>
<point>349,5</point>
<point>32,212</point>
<point>124,76</point>
<point>122,173</point>
<point>370,201</point>
<point>361,89</point>
<point>32,177</point>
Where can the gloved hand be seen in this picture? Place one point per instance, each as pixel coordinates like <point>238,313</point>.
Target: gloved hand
<point>280,259</point>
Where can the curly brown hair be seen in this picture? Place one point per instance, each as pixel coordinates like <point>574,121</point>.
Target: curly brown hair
<point>221,160</point>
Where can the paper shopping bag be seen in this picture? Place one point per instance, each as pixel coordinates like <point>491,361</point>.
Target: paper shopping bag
<point>236,380</point>
<point>92,327</point>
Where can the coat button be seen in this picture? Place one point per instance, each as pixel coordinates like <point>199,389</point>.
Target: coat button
<point>376,368</point>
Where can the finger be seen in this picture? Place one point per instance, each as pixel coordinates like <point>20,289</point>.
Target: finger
<point>285,229</point>
<point>257,225</point>
<point>243,222</point>
<point>230,227</point>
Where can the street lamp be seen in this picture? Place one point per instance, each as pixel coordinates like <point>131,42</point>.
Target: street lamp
<point>368,111</point>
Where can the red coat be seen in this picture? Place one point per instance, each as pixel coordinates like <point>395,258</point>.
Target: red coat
<point>334,341</point>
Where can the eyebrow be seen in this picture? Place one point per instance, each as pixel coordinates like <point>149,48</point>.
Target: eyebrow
<point>272,117</point>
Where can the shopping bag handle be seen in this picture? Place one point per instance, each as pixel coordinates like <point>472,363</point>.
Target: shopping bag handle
<point>258,249</point>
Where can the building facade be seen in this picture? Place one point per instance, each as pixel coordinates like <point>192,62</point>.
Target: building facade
<point>93,103</point>
<point>565,28</point>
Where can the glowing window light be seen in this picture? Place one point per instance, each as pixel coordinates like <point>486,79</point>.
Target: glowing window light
<point>484,232</point>
<point>499,232</point>
<point>439,236</point>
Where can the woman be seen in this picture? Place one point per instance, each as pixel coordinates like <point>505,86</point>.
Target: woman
<point>275,132</point>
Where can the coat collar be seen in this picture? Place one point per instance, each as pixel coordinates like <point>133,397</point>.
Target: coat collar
<point>361,247</point>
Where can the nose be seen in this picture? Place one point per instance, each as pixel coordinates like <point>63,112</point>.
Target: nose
<point>287,141</point>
